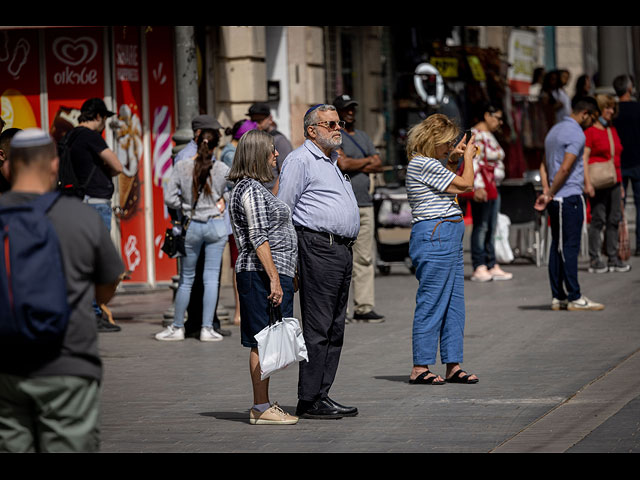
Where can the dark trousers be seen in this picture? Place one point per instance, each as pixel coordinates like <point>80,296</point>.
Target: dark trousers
<point>606,213</point>
<point>635,184</point>
<point>566,231</point>
<point>324,272</point>
<point>485,219</point>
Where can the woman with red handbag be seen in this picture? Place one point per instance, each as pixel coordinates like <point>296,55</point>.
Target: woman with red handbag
<point>485,201</point>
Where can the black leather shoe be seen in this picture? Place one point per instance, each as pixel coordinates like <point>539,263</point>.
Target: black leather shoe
<point>369,317</point>
<point>319,409</point>
<point>345,411</point>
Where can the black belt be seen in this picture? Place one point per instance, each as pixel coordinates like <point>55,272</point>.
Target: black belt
<point>331,236</point>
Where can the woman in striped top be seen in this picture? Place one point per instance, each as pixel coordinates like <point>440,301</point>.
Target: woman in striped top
<point>435,246</point>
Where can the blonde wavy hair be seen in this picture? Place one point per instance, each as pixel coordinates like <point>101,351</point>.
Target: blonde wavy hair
<point>423,138</point>
<point>605,100</point>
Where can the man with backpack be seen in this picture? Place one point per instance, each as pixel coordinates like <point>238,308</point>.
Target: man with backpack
<point>50,368</point>
<point>87,169</point>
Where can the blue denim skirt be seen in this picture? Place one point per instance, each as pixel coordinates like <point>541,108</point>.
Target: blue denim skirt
<point>435,249</point>
<point>253,290</point>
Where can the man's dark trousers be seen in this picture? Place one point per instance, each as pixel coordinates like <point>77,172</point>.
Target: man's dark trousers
<point>324,271</point>
<point>566,233</point>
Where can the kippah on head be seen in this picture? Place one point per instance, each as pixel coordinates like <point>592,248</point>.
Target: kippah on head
<point>31,137</point>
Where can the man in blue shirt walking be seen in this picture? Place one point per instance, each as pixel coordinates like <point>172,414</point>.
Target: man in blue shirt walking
<point>327,220</point>
<point>562,174</point>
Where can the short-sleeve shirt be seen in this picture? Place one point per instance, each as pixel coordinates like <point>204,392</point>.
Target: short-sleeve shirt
<point>598,141</point>
<point>359,145</point>
<point>85,154</point>
<point>566,137</point>
<point>89,257</point>
<point>258,216</point>
<point>427,181</point>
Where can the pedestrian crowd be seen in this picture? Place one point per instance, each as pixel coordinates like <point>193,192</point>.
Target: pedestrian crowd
<point>301,220</point>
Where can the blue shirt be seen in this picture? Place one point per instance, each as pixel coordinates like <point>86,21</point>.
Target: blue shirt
<point>319,195</point>
<point>427,181</point>
<point>566,136</point>
<point>189,151</point>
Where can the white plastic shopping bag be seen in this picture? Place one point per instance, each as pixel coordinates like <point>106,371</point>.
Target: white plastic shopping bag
<point>504,254</point>
<point>280,344</point>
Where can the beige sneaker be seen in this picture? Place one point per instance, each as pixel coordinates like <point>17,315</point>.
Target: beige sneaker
<point>498,274</point>
<point>583,303</point>
<point>559,304</point>
<point>273,415</point>
<point>481,274</point>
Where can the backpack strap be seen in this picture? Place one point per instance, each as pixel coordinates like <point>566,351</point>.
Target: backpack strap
<point>44,202</point>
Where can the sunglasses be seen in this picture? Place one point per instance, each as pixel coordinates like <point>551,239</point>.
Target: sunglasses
<point>331,125</point>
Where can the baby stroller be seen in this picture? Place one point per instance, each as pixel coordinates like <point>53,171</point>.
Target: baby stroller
<point>392,227</point>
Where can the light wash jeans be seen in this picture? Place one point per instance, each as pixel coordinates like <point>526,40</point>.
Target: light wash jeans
<point>213,234</point>
<point>440,311</point>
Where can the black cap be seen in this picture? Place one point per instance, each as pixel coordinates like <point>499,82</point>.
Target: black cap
<point>202,122</point>
<point>259,109</point>
<point>96,105</point>
<point>343,101</point>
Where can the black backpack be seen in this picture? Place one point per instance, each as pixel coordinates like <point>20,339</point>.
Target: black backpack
<point>67,180</point>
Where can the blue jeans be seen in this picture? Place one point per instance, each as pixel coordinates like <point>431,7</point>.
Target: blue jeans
<point>566,232</point>
<point>485,219</point>
<point>440,313</point>
<point>104,209</point>
<point>635,184</point>
<point>213,234</point>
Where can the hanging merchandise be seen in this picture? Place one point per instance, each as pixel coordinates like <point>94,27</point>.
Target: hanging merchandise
<point>429,84</point>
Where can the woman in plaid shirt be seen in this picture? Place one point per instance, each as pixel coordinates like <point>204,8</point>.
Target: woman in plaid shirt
<point>266,263</point>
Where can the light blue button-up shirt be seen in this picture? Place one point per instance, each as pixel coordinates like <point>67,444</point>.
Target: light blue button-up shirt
<point>319,195</point>
<point>566,136</point>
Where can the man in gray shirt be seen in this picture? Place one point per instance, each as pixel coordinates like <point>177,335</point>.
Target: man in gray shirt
<point>358,159</point>
<point>51,404</point>
<point>325,214</point>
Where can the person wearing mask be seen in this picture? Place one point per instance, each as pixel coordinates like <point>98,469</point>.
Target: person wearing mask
<point>359,159</point>
<point>627,123</point>
<point>266,263</point>
<point>196,187</point>
<point>261,114</point>
<point>435,246</point>
<point>327,220</point>
<point>562,177</point>
<point>603,145</point>
<point>489,171</point>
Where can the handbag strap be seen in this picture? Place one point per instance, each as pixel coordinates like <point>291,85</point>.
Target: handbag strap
<point>611,144</point>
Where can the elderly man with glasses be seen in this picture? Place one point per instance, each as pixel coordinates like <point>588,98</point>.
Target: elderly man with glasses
<point>327,220</point>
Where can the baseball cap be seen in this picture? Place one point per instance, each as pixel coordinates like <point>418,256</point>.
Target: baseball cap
<point>343,101</point>
<point>30,137</point>
<point>259,109</point>
<point>202,122</point>
<point>96,105</point>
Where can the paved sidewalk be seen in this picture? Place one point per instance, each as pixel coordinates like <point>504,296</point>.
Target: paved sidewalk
<point>549,381</point>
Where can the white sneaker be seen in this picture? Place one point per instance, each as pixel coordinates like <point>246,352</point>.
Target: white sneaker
<point>583,303</point>
<point>481,274</point>
<point>498,274</point>
<point>208,334</point>
<point>559,304</point>
<point>171,334</point>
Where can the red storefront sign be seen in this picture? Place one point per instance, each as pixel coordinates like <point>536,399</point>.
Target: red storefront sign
<point>129,148</point>
<point>19,79</point>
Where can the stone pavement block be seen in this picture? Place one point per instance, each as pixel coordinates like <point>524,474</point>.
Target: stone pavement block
<point>194,397</point>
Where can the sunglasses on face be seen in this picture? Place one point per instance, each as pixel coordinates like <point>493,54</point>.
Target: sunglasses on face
<point>331,125</point>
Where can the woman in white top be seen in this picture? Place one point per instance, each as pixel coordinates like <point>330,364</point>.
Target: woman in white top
<point>435,246</point>
<point>488,166</point>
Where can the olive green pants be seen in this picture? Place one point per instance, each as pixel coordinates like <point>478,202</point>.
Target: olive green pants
<point>49,414</point>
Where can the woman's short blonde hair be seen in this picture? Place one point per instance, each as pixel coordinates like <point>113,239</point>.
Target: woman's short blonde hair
<point>423,138</point>
<point>605,101</point>
<point>252,157</point>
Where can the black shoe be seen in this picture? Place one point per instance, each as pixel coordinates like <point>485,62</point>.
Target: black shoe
<point>106,326</point>
<point>345,411</point>
<point>320,409</point>
<point>223,332</point>
<point>369,317</point>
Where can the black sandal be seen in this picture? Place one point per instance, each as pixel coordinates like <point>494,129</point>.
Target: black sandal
<point>422,380</point>
<point>458,377</point>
